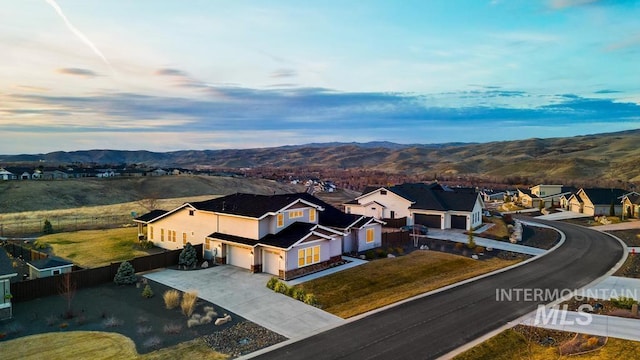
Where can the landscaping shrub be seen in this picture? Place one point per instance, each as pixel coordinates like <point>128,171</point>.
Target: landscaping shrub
<point>142,320</point>
<point>297,293</point>
<point>370,255</point>
<point>171,299</point>
<point>126,275</point>
<point>147,292</point>
<point>310,299</point>
<point>146,244</point>
<point>188,303</point>
<point>188,256</point>
<point>399,251</point>
<point>592,342</point>
<point>623,302</point>
<point>40,245</point>
<point>271,284</point>
<point>144,330</point>
<point>281,288</point>
<point>172,329</point>
<point>459,246</point>
<point>381,253</point>
<point>153,342</point>
<point>479,249</point>
<point>112,322</point>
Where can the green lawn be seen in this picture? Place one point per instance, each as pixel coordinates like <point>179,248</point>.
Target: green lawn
<point>94,248</point>
<point>385,281</point>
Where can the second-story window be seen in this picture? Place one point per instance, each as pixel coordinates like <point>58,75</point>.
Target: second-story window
<point>280,220</point>
<point>295,214</point>
<point>312,215</point>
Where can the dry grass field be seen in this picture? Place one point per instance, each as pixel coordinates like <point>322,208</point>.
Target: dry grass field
<point>385,281</point>
<point>96,346</point>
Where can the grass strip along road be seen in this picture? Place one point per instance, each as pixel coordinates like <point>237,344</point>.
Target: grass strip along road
<point>429,327</point>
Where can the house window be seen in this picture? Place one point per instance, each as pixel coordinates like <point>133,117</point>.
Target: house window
<point>174,235</point>
<point>348,209</point>
<point>280,219</point>
<point>383,192</point>
<point>150,232</point>
<point>55,272</point>
<point>184,238</point>
<point>308,256</point>
<point>295,214</point>
<point>370,235</point>
<point>191,212</point>
<point>393,214</point>
<point>207,244</point>
<point>312,215</point>
<point>161,234</point>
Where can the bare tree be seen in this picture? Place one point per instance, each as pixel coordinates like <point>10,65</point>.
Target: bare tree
<point>67,289</point>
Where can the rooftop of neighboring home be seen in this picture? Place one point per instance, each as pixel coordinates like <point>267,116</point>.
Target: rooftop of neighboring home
<point>6,268</point>
<point>49,263</point>
<point>634,198</point>
<point>433,196</point>
<point>284,239</point>
<point>604,195</point>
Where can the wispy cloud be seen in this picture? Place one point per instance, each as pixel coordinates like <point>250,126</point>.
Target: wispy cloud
<point>607,91</point>
<point>77,72</point>
<point>170,72</point>
<point>284,73</point>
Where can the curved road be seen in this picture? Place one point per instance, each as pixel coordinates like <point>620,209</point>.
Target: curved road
<point>432,326</point>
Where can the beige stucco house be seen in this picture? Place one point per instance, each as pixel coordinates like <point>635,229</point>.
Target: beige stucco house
<point>286,235</point>
<point>597,201</point>
<point>549,195</point>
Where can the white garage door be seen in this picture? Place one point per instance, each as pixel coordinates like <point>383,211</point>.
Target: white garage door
<point>239,256</point>
<point>270,262</point>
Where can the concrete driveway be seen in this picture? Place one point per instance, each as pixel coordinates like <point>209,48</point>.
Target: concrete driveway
<point>246,294</point>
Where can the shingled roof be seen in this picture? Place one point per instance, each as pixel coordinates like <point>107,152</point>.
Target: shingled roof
<point>250,205</point>
<point>284,239</point>
<point>604,196</point>
<point>151,215</point>
<point>436,197</point>
<point>6,268</point>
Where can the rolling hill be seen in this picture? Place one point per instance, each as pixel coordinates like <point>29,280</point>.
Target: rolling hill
<point>607,157</point>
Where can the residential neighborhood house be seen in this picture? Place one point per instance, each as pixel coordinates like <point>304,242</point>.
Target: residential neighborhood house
<point>433,205</point>
<point>6,273</point>
<point>597,201</point>
<point>286,235</point>
<point>547,195</point>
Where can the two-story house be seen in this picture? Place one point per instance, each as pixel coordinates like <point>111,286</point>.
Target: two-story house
<point>287,235</point>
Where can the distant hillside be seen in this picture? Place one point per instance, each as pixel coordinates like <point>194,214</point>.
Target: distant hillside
<point>606,157</point>
<point>18,196</point>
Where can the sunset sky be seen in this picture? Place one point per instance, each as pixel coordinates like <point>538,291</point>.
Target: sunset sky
<point>171,75</point>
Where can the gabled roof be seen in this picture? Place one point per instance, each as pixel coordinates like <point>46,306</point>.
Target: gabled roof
<point>6,268</point>
<point>48,263</point>
<point>285,239</point>
<point>604,196</point>
<point>332,216</point>
<point>634,199</point>
<point>249,205</point>
<point>152,215</point>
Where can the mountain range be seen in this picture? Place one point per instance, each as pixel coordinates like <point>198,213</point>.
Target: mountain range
<point>605,156</point>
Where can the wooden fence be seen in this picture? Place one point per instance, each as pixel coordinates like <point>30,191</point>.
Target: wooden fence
<point>396,239</point>
<point>395,223</point>
<point>18,251</point>
<point>33,289</point>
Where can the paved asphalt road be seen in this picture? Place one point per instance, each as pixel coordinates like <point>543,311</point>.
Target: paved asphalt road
<point>432,326</point>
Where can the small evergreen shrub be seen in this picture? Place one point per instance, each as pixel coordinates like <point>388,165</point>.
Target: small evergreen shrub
<point>171,299</point>
<point>147,292</point>
<point>172,329</point>
<point>153,342</point>
<point>112,322</point>
<point>188,256</point>
<point>146,244</point>
<point>381,253</point>
<point>144,330</point>
<point>370,255</point>
<point>126,274</point>
<point>297,293</point>
<point>47,228</point>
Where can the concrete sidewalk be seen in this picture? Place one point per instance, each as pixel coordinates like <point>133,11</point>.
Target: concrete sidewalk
<point>562,215</point>
<point>632,224</point>
<point>246,294</point>
<point>459,236</point>
<point>614,286</point>
<point>599,325</point>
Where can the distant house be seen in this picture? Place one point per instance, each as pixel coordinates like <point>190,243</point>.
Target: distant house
<point>158,172</point>
<point>433,205</point>
<point>631,205</point>
<point>548,195</point>
<point>597,201</point>
<point>287,235</point>
<point>6,175</point>
<point>493,195</point>
<point>6,273</point>
<point>48,267</point>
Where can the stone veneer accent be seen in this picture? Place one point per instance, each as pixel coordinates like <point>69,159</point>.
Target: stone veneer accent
<point>295,273</point>
<point>256,268</point>
<point>221,260</point>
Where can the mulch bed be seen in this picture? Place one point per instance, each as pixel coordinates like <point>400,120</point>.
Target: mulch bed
<point>122,309</point>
